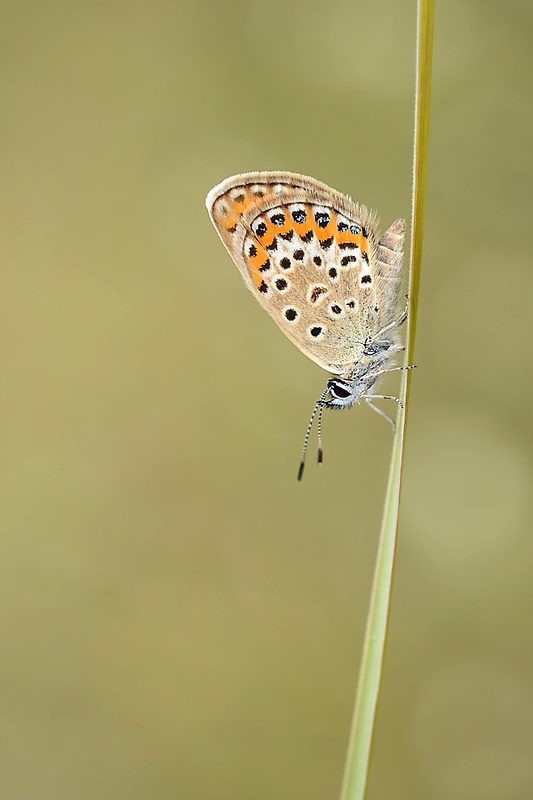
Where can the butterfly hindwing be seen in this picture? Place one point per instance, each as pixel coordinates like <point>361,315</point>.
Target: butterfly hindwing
<point>311,257</point>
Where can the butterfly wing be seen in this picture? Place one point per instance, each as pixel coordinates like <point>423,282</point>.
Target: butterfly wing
<point>311,257</point>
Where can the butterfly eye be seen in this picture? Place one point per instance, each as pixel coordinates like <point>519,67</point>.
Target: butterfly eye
<point>338,389</point>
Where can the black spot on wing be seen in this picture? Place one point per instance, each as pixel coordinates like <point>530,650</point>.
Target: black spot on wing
<point>345,260</point>
<point>316,292</point>
<point>322,219</point>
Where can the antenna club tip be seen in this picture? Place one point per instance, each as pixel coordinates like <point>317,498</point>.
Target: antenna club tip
<point>301,471</point>
<point>320,458</point>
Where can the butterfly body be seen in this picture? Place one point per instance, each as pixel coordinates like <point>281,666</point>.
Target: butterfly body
<point>314,261</point>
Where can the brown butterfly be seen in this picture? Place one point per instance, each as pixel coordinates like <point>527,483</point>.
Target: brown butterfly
<point>313,259</point>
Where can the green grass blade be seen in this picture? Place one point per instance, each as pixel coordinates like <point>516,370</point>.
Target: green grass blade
<point>359,748</point>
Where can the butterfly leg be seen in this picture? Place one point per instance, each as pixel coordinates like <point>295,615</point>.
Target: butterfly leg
<point>392,369</point>
<point>381,413</point>
<point>403,315</point>
<point>383,397</point>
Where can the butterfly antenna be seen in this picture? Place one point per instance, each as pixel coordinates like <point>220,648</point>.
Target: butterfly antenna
<point>318,405</point>
<point>320,454</point>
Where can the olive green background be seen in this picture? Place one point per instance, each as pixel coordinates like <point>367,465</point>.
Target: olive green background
<point>179,617</point>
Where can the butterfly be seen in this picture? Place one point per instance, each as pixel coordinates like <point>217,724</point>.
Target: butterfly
<point>313,260</point>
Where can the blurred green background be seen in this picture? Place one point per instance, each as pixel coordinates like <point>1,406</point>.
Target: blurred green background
<point>180,618</point>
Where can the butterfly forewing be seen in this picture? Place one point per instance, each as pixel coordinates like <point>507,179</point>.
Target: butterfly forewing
<point>311,258</point>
